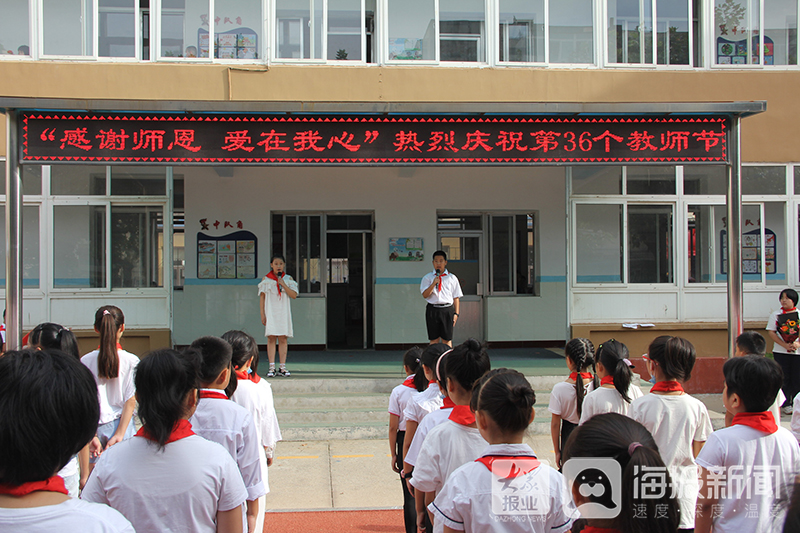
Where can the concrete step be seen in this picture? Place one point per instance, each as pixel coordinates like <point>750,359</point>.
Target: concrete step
<point>331,400</point>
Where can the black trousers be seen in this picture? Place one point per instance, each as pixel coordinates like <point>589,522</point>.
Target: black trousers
<point>409,506</point>
<point>790,364</point>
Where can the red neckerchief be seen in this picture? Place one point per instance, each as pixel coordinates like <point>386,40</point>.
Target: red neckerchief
<point>593,529</point>
<point>608,380</point>
<point>520,464</point>
<point>252,376</point>
<point>584,375</point>
<point>409,382</point>
<point>272,276</point>
<point>213,394</point>
<point>182,429</point>
<point>448,403</point>
<point>761,421</point>
<point>119,346</point>
<point>439,287</point>
<point>667,386</point>
<point>793,309</point>
<point>463,415</point>
<point>51,484</point>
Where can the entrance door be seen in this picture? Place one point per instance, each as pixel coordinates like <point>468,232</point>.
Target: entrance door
<point>349,290</point>
<point>464,260</point>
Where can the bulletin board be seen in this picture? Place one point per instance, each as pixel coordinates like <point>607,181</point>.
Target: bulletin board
<point>231,256</point>
<point>751,252</point>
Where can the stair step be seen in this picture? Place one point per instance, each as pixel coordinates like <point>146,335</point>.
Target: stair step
<point>331,400</point>
<point>347,417</point>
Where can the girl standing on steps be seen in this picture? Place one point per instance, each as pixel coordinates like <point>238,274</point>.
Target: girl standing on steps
<point>275,292</point>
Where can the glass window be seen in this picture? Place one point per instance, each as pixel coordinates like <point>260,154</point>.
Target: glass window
<point>571,31</point>
<point>117,28</point>
<point>700,179</point>
<point>598,243</point>
<point>513,267</point>
<point>775,248</point>
<point>502,253</point>
<point>526,271</point>
<point>521,31</point>
<point>78,180</point>
<point>238,28</point>
<point>67,27</point>
<point>184,28</point>
<point>461,30</point>
<point>31,179</point>
<point>30,246</point>
<point>137,246</point>
<point>79,246</point>
<point>458,222</point>
<point>704,223</point>
<point>736,29</point>
<point>764,180</point>
<point>138,181</point>
<point>780,32</point>
<point>178,233</point>
<point>596,180</point>
<point>630,31</point>
<point>797,179</point>
<point>15,28</point>
<point>412,31</point>
<point>298,239</point>
<point>650,180</point>
<point>349,222</point>
<point>299,29</point>
<point>345,26</point>
<point>650,244</point>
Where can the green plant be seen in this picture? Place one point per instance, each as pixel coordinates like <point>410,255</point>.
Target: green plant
<point>341,54</point>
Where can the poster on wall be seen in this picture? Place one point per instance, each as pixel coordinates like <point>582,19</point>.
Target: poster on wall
<point>406,249</point>
<point>751,252</point>
<point>231,256</point>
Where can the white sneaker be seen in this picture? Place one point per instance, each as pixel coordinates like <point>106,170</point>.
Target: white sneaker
<point>271,372</point>
<point>787,409</point>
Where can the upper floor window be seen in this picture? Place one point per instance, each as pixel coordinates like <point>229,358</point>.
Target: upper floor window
<point>15,28</point>
<point>757,32</point>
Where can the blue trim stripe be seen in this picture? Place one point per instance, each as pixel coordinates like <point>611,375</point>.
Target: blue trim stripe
<point>194,281</point>
<point>611,278</point>
<point>551,279</point>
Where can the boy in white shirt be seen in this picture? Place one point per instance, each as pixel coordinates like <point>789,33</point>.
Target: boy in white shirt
<point>750,466</point>
<point>442,291</point>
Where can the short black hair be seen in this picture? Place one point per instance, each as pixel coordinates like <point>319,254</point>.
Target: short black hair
<point>48,335</point>
<point>675,355</point>
<point>755,379</point>
<point>440,253</point>
<point>789,293</point>
<point>466,363</point>
<point>752,342</point>
<point>48,412</point>
<point>217,354</point>
<point>276,256</point>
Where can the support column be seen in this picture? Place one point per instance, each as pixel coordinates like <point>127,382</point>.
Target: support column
<point>13,234</point>
<point>734,204</point>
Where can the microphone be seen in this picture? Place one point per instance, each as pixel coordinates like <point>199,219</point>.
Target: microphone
<point>280,274</point>
<point>438,271</point>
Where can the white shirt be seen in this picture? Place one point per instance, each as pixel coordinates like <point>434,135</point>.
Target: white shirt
<point>764,468</point>
<point>422,403</point>
<point>675,421</point>
<point>604,400</point>
<point>772,325</point>
<point>451,288</point>
<point>180,487</point>
<point>114,392</point>
<point>71,516</point>
<point>428,423</point>
<point>775,408</point>
<point>564,402</point>
<point>230,425</point>
<point>257,398</point>
<point>398,400</point>
<point>465,501</point>
<point>277,306</point>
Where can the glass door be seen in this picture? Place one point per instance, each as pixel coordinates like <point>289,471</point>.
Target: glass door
<point>465,261</point>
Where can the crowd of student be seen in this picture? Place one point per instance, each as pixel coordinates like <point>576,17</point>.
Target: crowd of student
<point>198,463</point>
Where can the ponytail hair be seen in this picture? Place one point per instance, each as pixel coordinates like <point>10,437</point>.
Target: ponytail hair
<point>107,321</point>
<point>50,336</point>
<point>581,352</point>
<point>466,363</point>
<point>244,348</point>
<point>411,360</point>
<point>506,397</point>
<point>163,380</point>
<point>614,356</point>
<point>615,436</point>
<point>675,355</point>
<point>429,357</point>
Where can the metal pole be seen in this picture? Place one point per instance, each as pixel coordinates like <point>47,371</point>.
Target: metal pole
<point>13,234</point>
<point>734,202</point>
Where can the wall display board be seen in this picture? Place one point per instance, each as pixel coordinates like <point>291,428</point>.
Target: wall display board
<point>751,251</point>
<point>231,256</point>
<point>406,249</point>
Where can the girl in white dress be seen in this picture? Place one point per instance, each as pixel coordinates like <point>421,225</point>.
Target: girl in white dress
<point>275,292</point>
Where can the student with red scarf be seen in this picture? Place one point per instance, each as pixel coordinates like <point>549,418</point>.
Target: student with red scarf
<point>276,291</point>
<point>783,327</point>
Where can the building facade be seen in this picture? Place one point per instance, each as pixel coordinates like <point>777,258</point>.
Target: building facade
<point>543,252</point>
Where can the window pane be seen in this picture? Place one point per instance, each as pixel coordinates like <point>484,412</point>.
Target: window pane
<point>184,28</point>
<point>736,25</point>
<point>238,29</point>
<point>650,244</point>
<point>699,179</point>
<point>797,179</point>
<point>412,35</point>
<point>651,180</point>
<point>522,31</point>
<point>630,31</point>
<point>780,32</point>
<point>299,29</point>
<point>308,274</point>
<point>14,28</point>
<point>775,246</point>
<point>30,246</point>
<point>463,256</point>
<point>751,243</point>
<point>596,180</point>
<point>526,255</point>
<point>456,222</point>
<point>77,180</point>
<point>117,28</point>
<point>138,181</point>
<point>31,179</point>
<point>67,27</point>
<point>349,222</point>
<point>502,253</point>
<point>704,223</point>
<point>137,246</point>
<point>79,246</point>
<point>461,30</point>
<point>599,243</point>
<point>571,31</point>
<point>673,32</point>
<point>345,26</point>
<point>763,180</point>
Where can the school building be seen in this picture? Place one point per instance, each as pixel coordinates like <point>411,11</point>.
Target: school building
<point>162,167</point>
